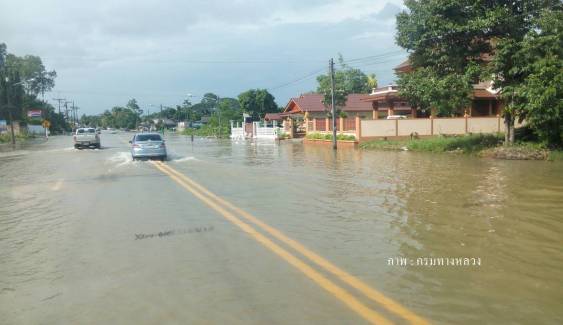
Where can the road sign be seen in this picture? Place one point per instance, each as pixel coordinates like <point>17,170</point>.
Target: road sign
<point>34,113</point>
<point>46,124</point>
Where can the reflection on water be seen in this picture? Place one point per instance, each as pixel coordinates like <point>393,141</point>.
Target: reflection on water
<point>357,208</point>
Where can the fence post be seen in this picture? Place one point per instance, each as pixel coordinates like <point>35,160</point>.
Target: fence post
<point>431,125</point>
<point>306,126</point>
<point>314,125</point>
<point>358,128</point>
<point>341,124</point>
<point>327,125</point>
<point>466,119</point>
<point>498,123</point>
<point>397,127</point>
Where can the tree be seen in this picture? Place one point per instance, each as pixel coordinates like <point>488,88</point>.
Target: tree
<point>36,79</point>
<point>452,40</point>
<point>424,89</point>
<point>533,76</point>
<point>257,102</point>
<point>347,80</point>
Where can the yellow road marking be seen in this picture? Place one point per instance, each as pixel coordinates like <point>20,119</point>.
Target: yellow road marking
<point>344,276</point>
<point>353,303</point>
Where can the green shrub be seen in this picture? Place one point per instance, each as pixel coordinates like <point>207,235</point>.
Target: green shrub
<point>328,136</point>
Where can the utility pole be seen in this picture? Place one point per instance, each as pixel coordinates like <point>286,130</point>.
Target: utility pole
<point>219,111</point>
<point>59,100</point>
<point>66,109</point>
<point>331,70</point>
<point>73,114</point>
<point>161,119</point>
<point>10,112</point>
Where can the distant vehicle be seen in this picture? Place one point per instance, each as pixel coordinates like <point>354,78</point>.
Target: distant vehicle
<point>98,130</point>
<point>148,145</point>
<point>396,117</point>
<point>86,137</point>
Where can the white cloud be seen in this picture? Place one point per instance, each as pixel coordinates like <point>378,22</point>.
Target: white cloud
<point>150,47</point>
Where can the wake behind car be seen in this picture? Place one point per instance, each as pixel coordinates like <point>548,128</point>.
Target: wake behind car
<point>148,145</point>
<point>86,137</point>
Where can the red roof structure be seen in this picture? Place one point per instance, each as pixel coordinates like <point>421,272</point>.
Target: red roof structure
<point>272,117</point>
<point>313,102</point>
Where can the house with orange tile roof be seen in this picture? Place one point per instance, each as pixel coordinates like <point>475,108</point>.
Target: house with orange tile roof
<point>386,100</point>
<point>310,107</point>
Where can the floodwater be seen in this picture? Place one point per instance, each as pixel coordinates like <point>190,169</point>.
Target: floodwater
<point>91,237</point>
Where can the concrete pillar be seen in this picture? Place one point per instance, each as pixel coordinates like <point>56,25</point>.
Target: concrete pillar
<point>327,124</point>
<point>490,108</point>
<point>431,124</point>
<point>291,133</point>
<point>314,125</point>
<point>358,128</point>
<point>413,112</point>
<point>341,124</point>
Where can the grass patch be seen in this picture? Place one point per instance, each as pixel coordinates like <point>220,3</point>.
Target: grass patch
<point>7,137</point>
<point>485,145</point>
<point>555,155</point>
<point>465,144</point>
<point>208,131</point>
<point>328,136</point>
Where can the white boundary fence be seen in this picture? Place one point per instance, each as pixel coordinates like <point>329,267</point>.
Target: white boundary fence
<point>257,131</point>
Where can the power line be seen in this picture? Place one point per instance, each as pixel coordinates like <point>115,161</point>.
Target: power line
<point>377,56</point>
<point>307,76</point>
<point>219,61</point>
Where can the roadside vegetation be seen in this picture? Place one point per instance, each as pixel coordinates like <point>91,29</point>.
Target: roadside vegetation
<point>6,138</point>
<point>322,136</point>
<point>519,44</point>
<point>24,81</point>
<point>482,145</point>
<point>465,144</point>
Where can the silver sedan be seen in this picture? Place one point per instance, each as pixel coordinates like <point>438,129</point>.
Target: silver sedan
<point>148,145</point>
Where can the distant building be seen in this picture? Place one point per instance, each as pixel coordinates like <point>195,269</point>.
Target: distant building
<point>270,117</point>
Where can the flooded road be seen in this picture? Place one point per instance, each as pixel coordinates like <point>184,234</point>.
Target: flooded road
<point>91,237</point>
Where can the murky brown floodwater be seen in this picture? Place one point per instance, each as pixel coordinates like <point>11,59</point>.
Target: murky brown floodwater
<point>68,221</point>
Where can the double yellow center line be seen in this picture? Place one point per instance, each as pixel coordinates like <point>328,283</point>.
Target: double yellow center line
<point>236,215</point>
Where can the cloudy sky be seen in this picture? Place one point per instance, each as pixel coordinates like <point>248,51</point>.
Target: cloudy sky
<point>157,51</point>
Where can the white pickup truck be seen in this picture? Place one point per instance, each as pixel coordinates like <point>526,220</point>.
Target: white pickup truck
<point>86,137</point>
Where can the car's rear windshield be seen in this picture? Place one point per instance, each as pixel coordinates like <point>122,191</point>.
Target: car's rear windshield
<point>86,131</point>
<point>148,137</point>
